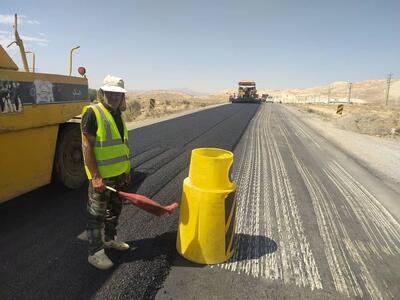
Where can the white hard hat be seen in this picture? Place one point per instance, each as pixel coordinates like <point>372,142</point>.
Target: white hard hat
<point>113,84</point>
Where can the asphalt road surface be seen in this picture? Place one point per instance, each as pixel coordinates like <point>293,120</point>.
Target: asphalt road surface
<point>41,257</point>
<point>311,222</point>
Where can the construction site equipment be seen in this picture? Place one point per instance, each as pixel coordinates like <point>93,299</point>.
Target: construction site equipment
<point>264,97</point>
<point>247,92</point>
<point>145,203</point>
<point>39,128</point>
<point>207,216</point>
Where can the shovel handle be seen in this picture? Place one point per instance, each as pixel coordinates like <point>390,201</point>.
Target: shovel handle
<point>111,189</point>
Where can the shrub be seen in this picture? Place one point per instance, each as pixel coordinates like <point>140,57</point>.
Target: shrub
<point>133,110</point>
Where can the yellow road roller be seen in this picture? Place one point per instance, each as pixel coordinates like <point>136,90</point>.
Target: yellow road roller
<point>39,126</point>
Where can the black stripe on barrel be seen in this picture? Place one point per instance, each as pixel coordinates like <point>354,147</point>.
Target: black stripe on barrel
<point>230,209</point>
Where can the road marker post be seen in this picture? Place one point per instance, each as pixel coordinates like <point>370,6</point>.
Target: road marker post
<point>207,215</point>
<point>152,103</point>
<point>339,109</point>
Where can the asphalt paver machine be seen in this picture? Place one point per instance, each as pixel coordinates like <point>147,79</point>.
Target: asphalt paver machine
<point>247,92</point>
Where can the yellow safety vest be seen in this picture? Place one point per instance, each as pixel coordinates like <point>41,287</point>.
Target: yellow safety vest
<point>112,154</point>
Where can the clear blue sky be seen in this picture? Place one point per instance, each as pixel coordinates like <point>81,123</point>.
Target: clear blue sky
<point>209,45</point>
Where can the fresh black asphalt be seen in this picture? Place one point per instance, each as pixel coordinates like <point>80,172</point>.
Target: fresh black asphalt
<point>41,257</point>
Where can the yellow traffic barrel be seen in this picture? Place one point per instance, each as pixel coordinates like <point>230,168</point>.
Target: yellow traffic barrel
<point>207,214</point>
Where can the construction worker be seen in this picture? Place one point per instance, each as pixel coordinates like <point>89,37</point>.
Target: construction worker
<point>106,156</point>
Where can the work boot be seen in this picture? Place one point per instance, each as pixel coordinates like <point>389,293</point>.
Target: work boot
<point>100,260</point>
<point>117,245</point>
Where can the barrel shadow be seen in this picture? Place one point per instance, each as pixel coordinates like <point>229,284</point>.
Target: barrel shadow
<point>252,247</point>
<point>246,247</point>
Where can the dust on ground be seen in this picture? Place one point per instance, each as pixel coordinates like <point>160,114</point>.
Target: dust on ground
<point>370,119</point>
<point>139,106</point>
<point>382,155</point>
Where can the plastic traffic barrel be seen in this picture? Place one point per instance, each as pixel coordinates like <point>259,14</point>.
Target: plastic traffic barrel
<point>207,212</point>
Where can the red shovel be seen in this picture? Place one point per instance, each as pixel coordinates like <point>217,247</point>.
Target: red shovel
<point>145,203</point>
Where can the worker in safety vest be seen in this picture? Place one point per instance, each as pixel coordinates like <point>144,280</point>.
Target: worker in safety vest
<point>106,156</point>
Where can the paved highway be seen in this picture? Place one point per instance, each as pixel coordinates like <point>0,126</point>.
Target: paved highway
<point>41,257</point>
<point>311,222</point>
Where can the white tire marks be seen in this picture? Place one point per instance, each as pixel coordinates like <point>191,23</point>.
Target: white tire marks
<point>261,172</point>
<point>268,207</point>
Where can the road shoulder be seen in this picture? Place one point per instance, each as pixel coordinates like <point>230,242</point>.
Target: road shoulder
<point>381,156</point>
<point>151,121</point>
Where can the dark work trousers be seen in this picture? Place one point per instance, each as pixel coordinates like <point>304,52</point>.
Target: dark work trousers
<point>103,210</point>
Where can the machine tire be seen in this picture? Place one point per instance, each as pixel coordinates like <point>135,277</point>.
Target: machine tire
<point>68,161</point>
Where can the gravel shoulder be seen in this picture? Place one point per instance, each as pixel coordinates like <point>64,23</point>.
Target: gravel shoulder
<point>382,156</point>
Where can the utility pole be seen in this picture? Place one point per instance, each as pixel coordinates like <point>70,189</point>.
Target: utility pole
<point>329,94</point>
<point>389,79</point>
<point>350,85</point>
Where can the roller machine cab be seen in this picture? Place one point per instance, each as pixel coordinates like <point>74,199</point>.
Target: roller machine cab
<point>39,126</point>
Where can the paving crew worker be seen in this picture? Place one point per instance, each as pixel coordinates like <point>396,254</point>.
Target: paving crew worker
<point>106,156</point>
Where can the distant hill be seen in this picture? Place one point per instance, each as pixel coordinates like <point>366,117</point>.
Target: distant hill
<point>161,95</point>
<point>173,95</point>
<point>367,91</point>
<point>190,92</point>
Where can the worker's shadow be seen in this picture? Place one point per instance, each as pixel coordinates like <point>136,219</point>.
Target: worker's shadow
<point>147,249</point>
<point>164,245</point>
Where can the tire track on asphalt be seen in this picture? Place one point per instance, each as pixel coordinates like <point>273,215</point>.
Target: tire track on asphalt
<point>293,262</point>
<point>301,132</point>
<point>339,266</point>
<point>350,258</point>
<point>383,228</point>
<point>302,250</point>
<point>268,207</point>
<point>271,269</point>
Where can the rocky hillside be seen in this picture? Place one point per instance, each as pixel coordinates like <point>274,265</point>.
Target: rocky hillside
<point>367,91</point>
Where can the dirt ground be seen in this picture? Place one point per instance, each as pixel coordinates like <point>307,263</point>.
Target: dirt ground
<point>366,91</point>
<point>371,119</point>
<point>139,107</point>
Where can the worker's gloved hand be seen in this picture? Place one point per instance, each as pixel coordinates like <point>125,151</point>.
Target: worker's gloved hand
<point>98,184</point>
